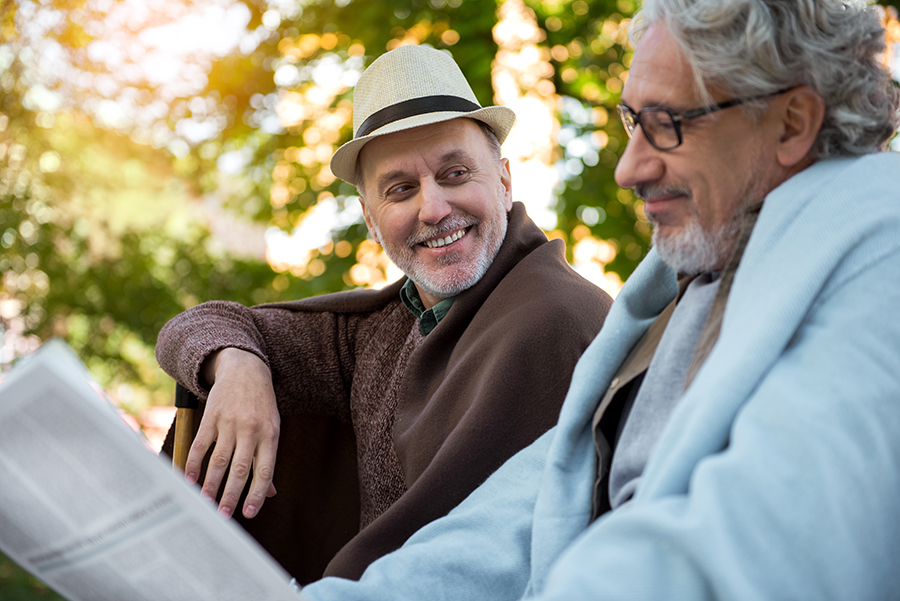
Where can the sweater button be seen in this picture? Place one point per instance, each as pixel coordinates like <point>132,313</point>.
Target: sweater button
<point>614,383</point>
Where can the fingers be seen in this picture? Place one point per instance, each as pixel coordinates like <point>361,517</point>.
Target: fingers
<point>241,463</point>
<point>242,449</point>
<point>242,419</point>
<point>218,464</point>
<point>204,439</point>
<point>236,461</point>
<point>263,472</point>
<point>257,444</point>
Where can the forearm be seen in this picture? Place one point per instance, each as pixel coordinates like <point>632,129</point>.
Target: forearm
<point>307,368</point>
<point>190,338</point>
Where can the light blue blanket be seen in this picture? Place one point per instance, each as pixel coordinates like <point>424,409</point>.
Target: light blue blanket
<point>778,475</point>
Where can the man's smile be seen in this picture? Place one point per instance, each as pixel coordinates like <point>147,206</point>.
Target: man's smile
<point>442,241</point>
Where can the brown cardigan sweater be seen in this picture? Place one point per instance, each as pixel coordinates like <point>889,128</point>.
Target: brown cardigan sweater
<point>383,430</point>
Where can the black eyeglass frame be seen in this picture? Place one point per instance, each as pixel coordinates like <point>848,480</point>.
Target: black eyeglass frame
<point>626,112</point>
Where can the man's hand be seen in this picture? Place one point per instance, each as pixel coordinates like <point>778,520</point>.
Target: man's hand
<point>241,417</point>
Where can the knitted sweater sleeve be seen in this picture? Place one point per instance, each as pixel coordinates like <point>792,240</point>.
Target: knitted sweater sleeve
<point>311,354</point>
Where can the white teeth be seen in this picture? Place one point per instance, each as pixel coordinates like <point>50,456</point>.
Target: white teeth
<point>445,241</point>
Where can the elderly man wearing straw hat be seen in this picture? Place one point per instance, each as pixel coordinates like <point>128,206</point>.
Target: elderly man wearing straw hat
<point>389,407</point>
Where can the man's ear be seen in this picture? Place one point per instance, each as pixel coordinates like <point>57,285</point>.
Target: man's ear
<point>506,184</point>
<point>372,231</point>
<point>802,113</point>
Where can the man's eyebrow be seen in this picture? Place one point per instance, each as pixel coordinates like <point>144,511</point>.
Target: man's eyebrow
<point>386,179</point>
<point>456,155</point>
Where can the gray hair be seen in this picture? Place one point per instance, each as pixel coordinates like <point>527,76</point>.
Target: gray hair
<point>755,47</point>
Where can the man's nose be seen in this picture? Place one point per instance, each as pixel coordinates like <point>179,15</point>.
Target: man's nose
<point>434,202</point>
<point>640,163</point>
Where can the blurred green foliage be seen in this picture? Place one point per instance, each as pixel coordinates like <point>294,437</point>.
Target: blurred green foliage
<point>590,51</point>
<point>103,234</point>
<point>17,585</point>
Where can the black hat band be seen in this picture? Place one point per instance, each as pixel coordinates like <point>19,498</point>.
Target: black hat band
<point>413,107</point>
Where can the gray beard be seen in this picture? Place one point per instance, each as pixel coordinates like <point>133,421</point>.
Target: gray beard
<point>446,285</point>
<point>695,250</point>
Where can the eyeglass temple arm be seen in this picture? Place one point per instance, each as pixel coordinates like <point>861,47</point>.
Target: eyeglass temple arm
<point>726,105</point>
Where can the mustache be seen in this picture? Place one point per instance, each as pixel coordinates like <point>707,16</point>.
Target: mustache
<point>447,225</point>
<point>645,191</point>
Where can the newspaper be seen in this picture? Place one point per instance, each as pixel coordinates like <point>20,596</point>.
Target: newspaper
<point>97,516</point>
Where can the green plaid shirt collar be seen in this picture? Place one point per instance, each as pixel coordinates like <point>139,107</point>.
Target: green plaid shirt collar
<point>428,318</point>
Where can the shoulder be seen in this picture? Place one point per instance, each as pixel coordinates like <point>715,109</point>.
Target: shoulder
<point>543,280</point>
<point>542,300</point>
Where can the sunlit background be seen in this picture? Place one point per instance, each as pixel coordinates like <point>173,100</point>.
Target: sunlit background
<point>155,155</point>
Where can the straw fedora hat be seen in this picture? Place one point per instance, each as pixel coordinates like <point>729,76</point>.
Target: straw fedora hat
<point>408,87</point>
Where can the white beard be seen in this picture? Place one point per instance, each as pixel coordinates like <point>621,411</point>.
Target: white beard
<point>695,250</point>
<point>457,273</point>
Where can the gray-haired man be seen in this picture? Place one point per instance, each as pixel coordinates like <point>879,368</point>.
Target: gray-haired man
<point>734,435</point>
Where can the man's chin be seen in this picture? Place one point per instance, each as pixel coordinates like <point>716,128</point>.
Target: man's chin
<point>450,280</point>
<point>446,287</point>
<point>688,252</point>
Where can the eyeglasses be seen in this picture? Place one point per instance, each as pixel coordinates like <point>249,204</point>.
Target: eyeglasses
<point>662,126</point>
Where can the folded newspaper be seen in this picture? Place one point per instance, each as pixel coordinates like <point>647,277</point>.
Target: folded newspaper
<point>96,515</point>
